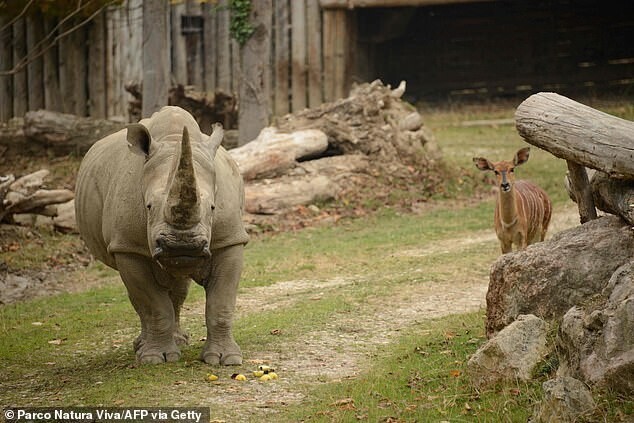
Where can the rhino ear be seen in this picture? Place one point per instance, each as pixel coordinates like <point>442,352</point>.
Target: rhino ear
<point>216,137</point>
<point>139,139</point>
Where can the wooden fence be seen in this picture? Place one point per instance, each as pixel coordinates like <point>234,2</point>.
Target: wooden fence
<point>86,71</point>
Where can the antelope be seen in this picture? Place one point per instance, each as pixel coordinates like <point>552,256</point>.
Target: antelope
<point>522,209</point>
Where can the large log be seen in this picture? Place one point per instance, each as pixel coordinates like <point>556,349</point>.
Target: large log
<point>26,195</point>
<point>309,182</point>
<point>272,153</point>
<point>578,133</point>
<point>65,133</point>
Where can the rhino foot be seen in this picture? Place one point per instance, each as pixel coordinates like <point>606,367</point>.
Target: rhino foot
<point>181,338</point>
<point>227,356</point>
<point>156,356</point>
<point>148,353</point>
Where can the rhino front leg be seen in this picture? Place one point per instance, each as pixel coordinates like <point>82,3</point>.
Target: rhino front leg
<point>178,294</point>
<point>154,306</point>
<point>221,290</point>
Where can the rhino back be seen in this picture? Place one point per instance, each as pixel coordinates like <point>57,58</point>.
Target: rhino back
<point>109,201</point>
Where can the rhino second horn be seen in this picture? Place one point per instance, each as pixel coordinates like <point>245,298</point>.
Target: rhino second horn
<point>182,205</point>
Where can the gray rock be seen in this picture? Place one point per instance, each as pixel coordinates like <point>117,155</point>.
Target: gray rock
<point>565,400</point>
<point>596,342</point>
<point>550,277</point>
<point>512,353</point>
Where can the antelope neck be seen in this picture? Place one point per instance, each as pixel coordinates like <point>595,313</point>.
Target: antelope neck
<point>508,208</point>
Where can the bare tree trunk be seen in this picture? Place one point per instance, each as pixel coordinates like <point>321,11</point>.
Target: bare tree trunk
<point>156,56</point>
<point>580,187</point>
<point>255,86</point>
<point>614,196</point>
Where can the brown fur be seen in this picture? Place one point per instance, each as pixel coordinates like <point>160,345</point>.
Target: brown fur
<point>522,210</point>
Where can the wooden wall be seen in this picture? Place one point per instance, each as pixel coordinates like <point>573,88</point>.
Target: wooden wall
<point>86,72</point>
<point>443,51</point>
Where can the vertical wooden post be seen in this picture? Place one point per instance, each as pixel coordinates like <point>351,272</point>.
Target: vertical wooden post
<point>156,64</point>
<point>20,87</point>
<point>580,186</point>
<point>179,48</point>
<point>193,43</point>
<point>281,59</point>
<point>223,54</point>
<point>97,67</point>
<point>255,82</point>
<point>313,42</point>
<point>334,33</point>
<point>6,63</point>
<point>52,96</point>
<point>35,69</point>
<point>298,51</point>
<point>210,47</point>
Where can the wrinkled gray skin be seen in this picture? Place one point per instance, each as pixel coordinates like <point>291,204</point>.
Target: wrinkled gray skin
<point>161,203</point>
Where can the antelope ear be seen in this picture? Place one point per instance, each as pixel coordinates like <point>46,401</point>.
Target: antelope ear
<point>482,163</point>
<point>139,139</point>
<point>521,156</point>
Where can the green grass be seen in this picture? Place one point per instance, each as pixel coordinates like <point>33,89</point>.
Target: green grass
<point>75,348</point>
<point>422,377</point>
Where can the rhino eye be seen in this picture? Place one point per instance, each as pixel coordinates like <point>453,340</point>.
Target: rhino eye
<point>149,206</point>
<point>213,207</point>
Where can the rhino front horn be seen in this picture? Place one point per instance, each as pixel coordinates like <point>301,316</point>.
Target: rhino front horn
<point>182,205</point>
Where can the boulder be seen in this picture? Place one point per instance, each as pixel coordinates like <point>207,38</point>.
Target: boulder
<point>596,341</point>
<point>512,354</point>
<point>550,277</point>
<point>565,400</point>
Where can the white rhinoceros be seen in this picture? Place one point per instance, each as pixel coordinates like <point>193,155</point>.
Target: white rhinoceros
<point>162,203</point>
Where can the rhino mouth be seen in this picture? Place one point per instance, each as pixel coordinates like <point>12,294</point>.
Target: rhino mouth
<point>180,259</point>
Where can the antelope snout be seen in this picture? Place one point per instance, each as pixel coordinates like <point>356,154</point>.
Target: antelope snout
<point>506,187</point>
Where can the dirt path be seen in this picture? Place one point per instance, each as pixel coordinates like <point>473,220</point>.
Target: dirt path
<point>343,347</point>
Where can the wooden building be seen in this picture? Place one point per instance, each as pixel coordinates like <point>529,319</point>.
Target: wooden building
<point>444,49</point>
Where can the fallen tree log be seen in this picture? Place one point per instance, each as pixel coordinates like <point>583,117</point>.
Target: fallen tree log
<point>26,195</point>
<point>272,153</point>
<point>310,182</point>
<point>575,132</point>
<point>64,133</point>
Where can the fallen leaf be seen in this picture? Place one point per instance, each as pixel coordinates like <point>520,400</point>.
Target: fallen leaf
<point>276,331</point>
<point>454,373</point>
<point>57,341</point>
<point>344,404</point>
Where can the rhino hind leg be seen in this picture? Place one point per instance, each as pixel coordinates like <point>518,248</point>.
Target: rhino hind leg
<point>152,302</point>
<point>221,290</point>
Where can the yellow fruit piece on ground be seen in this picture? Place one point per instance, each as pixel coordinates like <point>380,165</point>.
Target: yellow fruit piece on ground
<point>212,377</point>
<point>273,375</point>
<point>265,377</point>
<point>258,373</point>
<point>241,377</point>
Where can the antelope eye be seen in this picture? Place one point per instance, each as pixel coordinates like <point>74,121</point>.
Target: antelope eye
<point>511,170</point>
<point>496,172</point>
